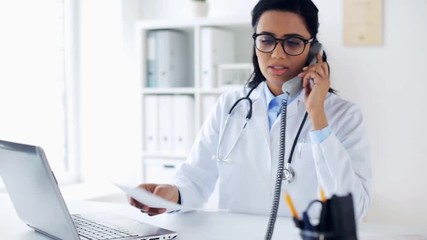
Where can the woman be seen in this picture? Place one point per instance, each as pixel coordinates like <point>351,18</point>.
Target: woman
<point>331,152</point>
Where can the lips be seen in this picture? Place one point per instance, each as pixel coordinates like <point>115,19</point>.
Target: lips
<point>278,69</point>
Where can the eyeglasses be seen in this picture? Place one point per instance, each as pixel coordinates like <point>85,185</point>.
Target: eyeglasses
<point>292,46</point>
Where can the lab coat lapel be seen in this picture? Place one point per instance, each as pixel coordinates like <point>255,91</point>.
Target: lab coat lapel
<point>297,105</point>
<point>260,122</point>
<point>260,111</point>
<point>261,115</point>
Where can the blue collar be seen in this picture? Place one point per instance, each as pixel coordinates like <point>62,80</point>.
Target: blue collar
<point>270,97</point>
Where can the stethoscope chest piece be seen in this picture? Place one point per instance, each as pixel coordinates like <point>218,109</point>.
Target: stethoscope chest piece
<point>288,174</point>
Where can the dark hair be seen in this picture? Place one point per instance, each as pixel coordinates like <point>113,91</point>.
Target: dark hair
<point>305,8</point>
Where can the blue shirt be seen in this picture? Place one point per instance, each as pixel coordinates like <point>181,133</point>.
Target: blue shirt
<point>273,109</point>
<point>273,104</point>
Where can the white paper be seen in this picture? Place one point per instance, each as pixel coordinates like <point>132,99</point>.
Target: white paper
<point>152,200</point>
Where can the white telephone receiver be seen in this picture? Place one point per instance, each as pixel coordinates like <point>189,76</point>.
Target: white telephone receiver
<point>293,86</point>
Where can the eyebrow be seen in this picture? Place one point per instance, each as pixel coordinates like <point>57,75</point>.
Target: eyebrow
<point>286,35</point>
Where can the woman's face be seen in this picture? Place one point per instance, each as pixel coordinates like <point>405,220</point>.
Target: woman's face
<point>277,66</point>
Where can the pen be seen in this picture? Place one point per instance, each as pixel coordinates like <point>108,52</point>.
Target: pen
<point>291,206</point>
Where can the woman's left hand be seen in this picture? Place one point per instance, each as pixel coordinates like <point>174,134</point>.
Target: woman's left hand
<point>316,83</point>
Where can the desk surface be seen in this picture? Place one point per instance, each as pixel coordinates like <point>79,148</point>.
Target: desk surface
<point>200,225</point>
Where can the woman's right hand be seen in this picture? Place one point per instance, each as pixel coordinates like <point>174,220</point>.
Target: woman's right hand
<point>166,191</point>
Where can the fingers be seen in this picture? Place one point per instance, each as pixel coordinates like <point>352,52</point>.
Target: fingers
<point>150,187</point>
<point>146,209</point>
<point>312,75</point>
<point>320,57</point>
<point>166,191</point>
<point>152,211</point>
<point>317,72</point>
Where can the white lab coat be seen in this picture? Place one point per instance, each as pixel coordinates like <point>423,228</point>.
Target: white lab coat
<point>340,163</point>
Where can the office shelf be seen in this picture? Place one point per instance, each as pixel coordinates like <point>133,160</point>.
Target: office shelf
<point>203,97</point>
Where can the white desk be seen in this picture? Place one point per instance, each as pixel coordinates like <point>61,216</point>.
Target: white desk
<point>199,225</point>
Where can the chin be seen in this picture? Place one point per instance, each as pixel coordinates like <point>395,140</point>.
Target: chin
<point>278,80</point>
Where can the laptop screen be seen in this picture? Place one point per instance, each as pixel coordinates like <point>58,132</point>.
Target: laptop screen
<point>38,201</point>
<point>33,189</point>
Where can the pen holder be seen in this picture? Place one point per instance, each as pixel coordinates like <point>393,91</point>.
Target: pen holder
<point>310,235</point>
<point>336,220</point>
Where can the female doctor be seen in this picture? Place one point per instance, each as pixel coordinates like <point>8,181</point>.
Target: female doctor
<point>331,151</point>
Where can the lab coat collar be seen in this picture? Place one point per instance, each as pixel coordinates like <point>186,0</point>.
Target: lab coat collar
<point>257,93</point>
<point>293,108</point>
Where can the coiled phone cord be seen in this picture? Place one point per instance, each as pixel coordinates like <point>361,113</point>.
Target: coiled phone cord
<point>280,168</point>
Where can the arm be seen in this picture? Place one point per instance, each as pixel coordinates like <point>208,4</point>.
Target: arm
<point>196,178</point>
<point>342,160</point>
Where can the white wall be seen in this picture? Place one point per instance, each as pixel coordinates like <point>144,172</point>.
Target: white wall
<point>386,81</point>
<point>110,116</point>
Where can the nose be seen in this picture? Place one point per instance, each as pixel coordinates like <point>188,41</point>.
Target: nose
<point>279,51</point>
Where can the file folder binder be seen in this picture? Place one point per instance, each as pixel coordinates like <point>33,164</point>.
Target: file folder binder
<point>217,47</point>
<point>183,123</point>
<point>151,120</point>
<point>165,121</point>
<point>151,59</point>
<point>172,59</point>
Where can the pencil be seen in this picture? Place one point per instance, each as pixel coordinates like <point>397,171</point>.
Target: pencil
<point>322,195</point>
<point>291,206</point>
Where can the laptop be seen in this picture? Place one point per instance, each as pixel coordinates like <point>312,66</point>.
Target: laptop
<point>38,202</point>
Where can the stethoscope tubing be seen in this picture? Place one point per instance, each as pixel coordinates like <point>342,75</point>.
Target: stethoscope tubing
<point>235,142</point>
<point>247,119</point>
<point>226,123</point>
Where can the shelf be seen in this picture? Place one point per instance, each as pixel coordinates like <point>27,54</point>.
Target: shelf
<point>183,90</point>
<point>161,155</point>
<point>194,22</point>
<point>218,90</point>
<point>164,156</point>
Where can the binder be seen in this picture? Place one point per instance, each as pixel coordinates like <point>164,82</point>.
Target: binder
<point>172,52</point>
<point>151,127</point>
<point>217,47</point>
<point>151,59</point>
<point>165,122</point>
<point>183,124</point>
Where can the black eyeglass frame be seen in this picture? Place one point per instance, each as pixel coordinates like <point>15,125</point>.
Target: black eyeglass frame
<point>282,40</point>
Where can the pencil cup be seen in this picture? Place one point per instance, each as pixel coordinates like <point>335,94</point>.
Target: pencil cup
<point>336,220</point>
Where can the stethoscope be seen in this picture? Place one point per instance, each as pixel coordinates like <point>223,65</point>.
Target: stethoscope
<point>226,124</point>
<point>288,172</point>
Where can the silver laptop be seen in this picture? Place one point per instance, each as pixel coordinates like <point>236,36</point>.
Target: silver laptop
<point>38,201</point>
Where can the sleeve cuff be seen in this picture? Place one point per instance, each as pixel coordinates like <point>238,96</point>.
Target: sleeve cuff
<point>318,136</point>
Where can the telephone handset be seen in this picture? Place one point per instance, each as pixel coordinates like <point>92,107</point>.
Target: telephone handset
<point>293,86</point>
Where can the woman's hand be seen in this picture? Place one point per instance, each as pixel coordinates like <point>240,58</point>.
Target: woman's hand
<point>316,83</point>
<point>166,191</point>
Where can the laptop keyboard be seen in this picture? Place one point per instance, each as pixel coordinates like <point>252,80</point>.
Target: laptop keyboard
<point>92,230</point>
